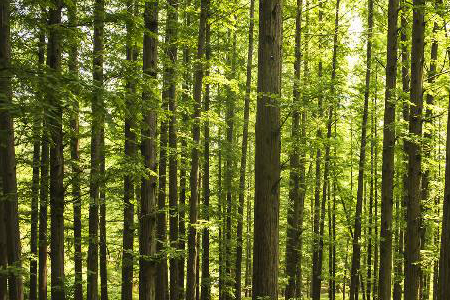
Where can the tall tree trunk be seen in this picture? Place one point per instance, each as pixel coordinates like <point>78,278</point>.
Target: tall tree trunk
<point>317,262</point>
<point>220,202</point>
<point>206,281</point>
<point>425,192</point>
<point>103,268</point>
<point>444,258</point>
<point>130,153</point>
<point>388,156</point>
<point>292,235</point>
<point>248,87</point>
<point>184,155</point>
<point>170,72</point>
<point>8,158</point>
<point>412,257</point>
<point>267,152</point>
<point>56,157</point>
<point>97,153</point>
<point>356,254</point>
<point>194,174</point>
<point>75,160</point>
<point>147,218</point>
<point>37,125</point>
<point>375,183</point>
<point>161,230</point>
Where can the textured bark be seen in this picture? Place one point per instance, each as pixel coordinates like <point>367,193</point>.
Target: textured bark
<point>267,152</point>
<point>413,212</point>
<point>220,212</point>
<point>316,282</point>
<point>387,177</point>
<point>56,157</point>
<point>248,86</point>
<point>206,280</point>
<point>191,273</point>
<point>444,258</point>
<point>184,158</point>
<point>130,153</point>
<point>170,72</point>
<point>292,235</point>
<point>356,254</point>
<point>375,182</point>
<point>147,218</point>
<point>9,199</point>
<point>75,161</point>
<point>97,107</point>
<point>102,244</point>
<point>162,291</point>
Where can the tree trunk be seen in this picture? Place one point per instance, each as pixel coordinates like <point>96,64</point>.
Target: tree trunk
<point>317,262</point>
<point>56,158</point>
<point>248,86</point>
<point>161,230</point>
<point>184,157</point>
<point>388,156</point>
<point>75,161</point>
<point>147,218</point>
<point>267,152</point>
<point>103,269</point>
<point>97,153</point>
<point>7,155</point>
<point>170,72</point>
<point>356,254</point>
<point>130,153</point>
<point>193,180</point>
<point>412,257</point>
<point>375,182</point>
<point>292,235</point>
<point>206,281</point>
<point>444,258</point>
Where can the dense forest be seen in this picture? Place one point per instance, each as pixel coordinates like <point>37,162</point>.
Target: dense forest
<point>208,149</point>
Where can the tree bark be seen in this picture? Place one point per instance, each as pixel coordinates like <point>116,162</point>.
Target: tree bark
<point>316,282</point>
<point>356,254</point>
<point>444,258</point>
<point>56,157</point>
<point>387,176</point>
<point>292,235</point>
<point>267,152</point>
<point>8,159</point>
<point>194,173</point>
<point>248,86</point>
<point>170,72</point>
<point>206,280</point>
<point>130,153</point>
<point>412,257</point>
<point>97,106</point>
<point>147,218</point>
<point>75,159</point>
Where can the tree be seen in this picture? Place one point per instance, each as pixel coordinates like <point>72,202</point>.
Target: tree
<point>387,174</point>
<point>267,152</point>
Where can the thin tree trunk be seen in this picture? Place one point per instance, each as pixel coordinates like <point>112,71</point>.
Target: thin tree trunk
<point>56,158</point>
<point>444,258</point>
<point>171,52</point>
<point>375,175</point>
<point>194,174</point>
<point>147,218</point>
<point>412,257</point>
<point>75,160</point>
<point>161,230</point>
<point>184,158</point>
<point>220,213</point>
<point>267,152</point>
<point>248,86</point>
<point>130,153</point>
<point>388,156</point>
<point>7,155</point>
<point>206,281</point>
<point>292,235</point>
<point>317,263</point>
<point>37,124</point>
<point>103,268</point>
<point>97,153</point>
<point>356,254</point>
